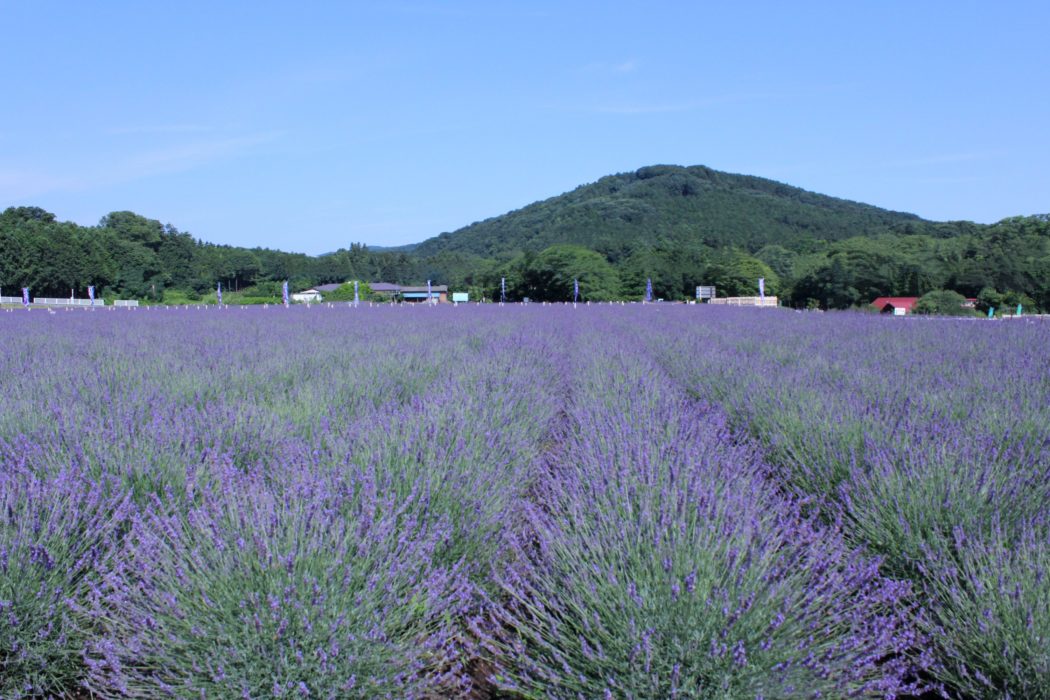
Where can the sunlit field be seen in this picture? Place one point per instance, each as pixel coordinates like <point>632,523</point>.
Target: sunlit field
<point>524,502</point>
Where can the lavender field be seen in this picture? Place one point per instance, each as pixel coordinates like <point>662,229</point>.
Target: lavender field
<point>523,502</point>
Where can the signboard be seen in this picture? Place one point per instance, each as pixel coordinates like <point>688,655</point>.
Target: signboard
<point>705,292</point>
<point>460,297</point>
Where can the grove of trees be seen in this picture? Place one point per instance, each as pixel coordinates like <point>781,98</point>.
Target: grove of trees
<point>131,256</point>
<point>1002,265</point>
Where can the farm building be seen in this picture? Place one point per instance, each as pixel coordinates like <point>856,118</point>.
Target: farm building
<point>898,306</point>
<point>385,289</point>
<point>393,292</point>
<point>314,294</point>
<point>901,306</point>
<point>416,295</point>
<point>746,301</point>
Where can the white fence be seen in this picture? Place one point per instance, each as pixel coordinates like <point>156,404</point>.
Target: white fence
<point>67,302</point>
<point>745,301</point>
<point>48,301</point>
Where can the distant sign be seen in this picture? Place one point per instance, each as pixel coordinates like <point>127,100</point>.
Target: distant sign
<point>705,292</point>
<point>458,297</point>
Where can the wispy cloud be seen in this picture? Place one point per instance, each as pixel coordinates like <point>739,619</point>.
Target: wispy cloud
<point>611,68</point>
<point>189,155</point>
<point>490,10</point>
<point>945,159</point>
<point>944,180</point>
<point>159,129</point>
<point>20,182</point>
<point>17,184</point>
<point>642,108</point>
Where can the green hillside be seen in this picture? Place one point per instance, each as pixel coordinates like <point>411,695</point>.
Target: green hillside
<point>679,207</point>
<point>678,227</point>
<point>685,226</point>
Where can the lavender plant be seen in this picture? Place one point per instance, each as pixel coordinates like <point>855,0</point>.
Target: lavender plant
<point>326,590</point>
<point>904,501</point>
<point>666,566</point>
<point>994,612</point>
<point>54,532</point>
<point>809,465</point>
<point>908,454</point>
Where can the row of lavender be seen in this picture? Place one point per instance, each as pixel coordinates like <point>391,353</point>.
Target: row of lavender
<point>659,560</point>
<point>928,441</point>
<point>293,503</point>
<point>263,504</point>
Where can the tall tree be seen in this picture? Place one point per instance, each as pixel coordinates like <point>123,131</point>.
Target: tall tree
<point>549,276</point>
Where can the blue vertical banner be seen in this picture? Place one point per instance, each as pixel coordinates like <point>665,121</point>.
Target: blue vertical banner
<point>218,293</point>
<point>991,312</point>
<point>430,299</point>
<point>761,287</point>
<point>649,289</point>
<point>575,290</point>
<point>284,293</point>
<point>503,290</point>
<point>1018,309</point>
<point>25,297</point>
<point>357,298</point>
<point>91,294</point>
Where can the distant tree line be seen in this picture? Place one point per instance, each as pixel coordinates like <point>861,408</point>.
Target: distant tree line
<point>687,226</point>
<point>131,256</point>
<point>1004,264</point>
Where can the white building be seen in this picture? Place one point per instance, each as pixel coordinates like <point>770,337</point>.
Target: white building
<point>746,301</point>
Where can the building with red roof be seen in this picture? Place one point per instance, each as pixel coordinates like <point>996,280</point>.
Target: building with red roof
<point>898,306</point>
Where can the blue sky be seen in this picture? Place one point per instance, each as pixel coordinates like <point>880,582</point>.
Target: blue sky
<point>309,126</point>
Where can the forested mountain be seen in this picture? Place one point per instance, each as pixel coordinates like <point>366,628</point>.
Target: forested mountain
<point>669,205</point>
<point>680,227</point>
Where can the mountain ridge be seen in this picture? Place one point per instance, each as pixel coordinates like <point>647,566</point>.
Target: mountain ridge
<point>675,226</point>
<point>680,205</point>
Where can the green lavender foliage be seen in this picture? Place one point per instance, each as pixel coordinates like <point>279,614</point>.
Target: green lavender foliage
<point>664,564</point>
<point>927,440</point>
<point>480,496</point>
<point>995,611</point>
<point>54,533</point>
<point>327,589</point>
